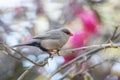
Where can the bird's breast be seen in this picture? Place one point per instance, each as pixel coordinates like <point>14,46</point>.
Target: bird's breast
<point>54,43</point>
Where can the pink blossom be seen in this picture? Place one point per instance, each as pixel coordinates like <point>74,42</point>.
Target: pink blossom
<point>89,20</point>
<point>78,39</point>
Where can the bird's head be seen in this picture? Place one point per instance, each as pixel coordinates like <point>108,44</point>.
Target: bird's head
<point>66,31</point>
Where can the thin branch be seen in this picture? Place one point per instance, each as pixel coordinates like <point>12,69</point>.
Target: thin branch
<point>90,68</point>
<point>67,73</point>
<point>99,47</point>
<point>70,69</point>
<point>21,55</point>
<point>93,46</point>
<point>26,72</point>
<point>3,49</point>
<point>76,59</point>
<point>117,37</point>
<point>114,33</point>
<point>14,56</point>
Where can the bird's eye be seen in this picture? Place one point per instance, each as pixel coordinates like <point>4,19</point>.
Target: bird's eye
<point>67,32</point>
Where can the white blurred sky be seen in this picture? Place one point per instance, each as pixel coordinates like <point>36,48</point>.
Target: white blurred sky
<point>52,8</point>
<point>12,3</point>
<point>9,3</point>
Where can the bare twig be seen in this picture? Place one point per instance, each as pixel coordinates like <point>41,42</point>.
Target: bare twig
<point>70,69</point>
<point>114,33</point>
<point>99,47</point>
<point>32,67</point>
<point>67,72</point>
<point>90,68</point>
<point>113,37</point>
<point>14,56</point>
<point>3,49</point>
<point>76,59</point>
<point>117,35</point>
<point>21,55</point>
<point>93,46</point>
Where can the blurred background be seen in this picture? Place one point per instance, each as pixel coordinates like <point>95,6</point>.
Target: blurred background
<point>91,22</point>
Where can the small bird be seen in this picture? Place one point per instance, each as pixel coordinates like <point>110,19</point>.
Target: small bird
<point>49,41</point>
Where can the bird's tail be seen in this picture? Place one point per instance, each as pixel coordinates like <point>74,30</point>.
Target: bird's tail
<point>24,44</point>
<point>18,45</point>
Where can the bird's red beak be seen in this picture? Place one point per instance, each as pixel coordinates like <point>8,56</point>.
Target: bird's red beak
<point>71,34</point>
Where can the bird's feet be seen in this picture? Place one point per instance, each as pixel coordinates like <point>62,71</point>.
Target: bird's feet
<point>50,55</point>
<point>58,52</point>
<point>52,52</point>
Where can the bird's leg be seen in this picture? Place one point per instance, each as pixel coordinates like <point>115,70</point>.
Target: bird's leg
<point>50,54</point>
<point>58,50</point>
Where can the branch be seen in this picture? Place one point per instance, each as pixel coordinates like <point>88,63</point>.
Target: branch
<point>114,33</point>
<point>14,56</point>
<point>117,35</point>
<point>38,63</point>
<point>93,66</point>
<point>114,36</point>
<point>90,68</point>
<point>75,59</point>
<point>67,73</point>
<point>32,67</point>
<point>93,46</point>
<point>8,47</point>
<point>81,57</point>
<point>3,49</point>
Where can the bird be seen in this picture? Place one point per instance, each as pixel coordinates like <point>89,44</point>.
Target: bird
<point>50,40</point>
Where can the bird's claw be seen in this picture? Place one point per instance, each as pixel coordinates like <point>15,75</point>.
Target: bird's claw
<point>58,52</point>
<point>50,56</point>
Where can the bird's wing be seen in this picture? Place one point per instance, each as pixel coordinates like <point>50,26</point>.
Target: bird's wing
<point>49,35</point>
